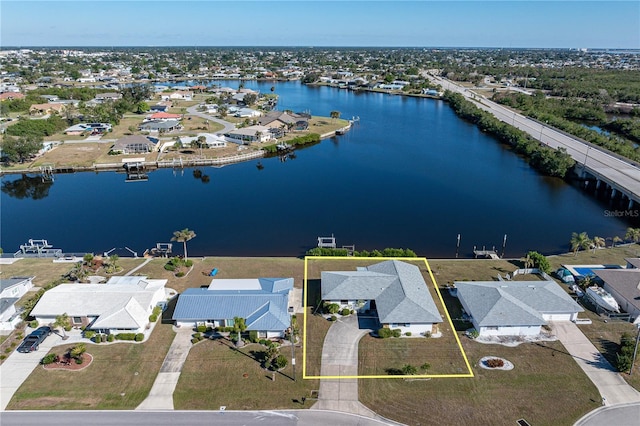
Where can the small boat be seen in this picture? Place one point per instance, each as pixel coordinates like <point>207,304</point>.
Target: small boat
<point>577,290</point>
<point>602,298</point>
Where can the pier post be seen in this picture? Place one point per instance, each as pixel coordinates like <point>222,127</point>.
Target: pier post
<point>613,193</point>
<point>630,205</point>
<point>598,183</point>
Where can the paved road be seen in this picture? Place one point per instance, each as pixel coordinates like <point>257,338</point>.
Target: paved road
<point>340,358</point>
<point>618,415</point>
<point>611,385</point>
<point>227,126</point>
<point>623,172</point>
<point>179,418</point>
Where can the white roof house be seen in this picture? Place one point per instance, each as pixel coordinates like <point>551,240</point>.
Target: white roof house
<point>212,140</point>
<point>395,290</point>
<point>515,308</point>
<point>249,134</point>
<point>122,304</point>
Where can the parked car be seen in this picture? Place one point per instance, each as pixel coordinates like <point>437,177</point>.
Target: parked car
<point>41,333</point>
<point>29,344</point>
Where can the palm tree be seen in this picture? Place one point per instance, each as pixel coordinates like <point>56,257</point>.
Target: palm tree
<point>633,234</point>
<point>527,261</point>
<point>616,240</point>
<point>579,241</point>
<point>598,242</point>
<point>78,351</point>
<point>334,114</point>
<point>62,321</point>
<point>183,236</point>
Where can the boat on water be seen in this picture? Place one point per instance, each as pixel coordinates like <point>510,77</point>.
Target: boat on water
<point>602,298</point>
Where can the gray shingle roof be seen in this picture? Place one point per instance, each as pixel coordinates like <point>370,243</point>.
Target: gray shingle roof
<point>625,282</point>
<point>10,282</point>
<point>514,303</point>
<point>7,302</point>
<point>398,288</point>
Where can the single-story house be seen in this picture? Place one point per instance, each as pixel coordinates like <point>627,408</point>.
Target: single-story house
<point>515,308</point>
<point>247,113</point>
<point>134,144</point>
<point>164,116</point>
<point>249,134</point>
<point>212,140</point>
<point>123,304</point>
<point>278,119</point>
<point>48,108</point>
<point>159,107</point>
<point>80,128</point>
<point>633,262</point>
<point>11,290</point>
<point>110,96</point>
<point>184,95</point>
<point>395,290</point>
<point>160,125</point>
<point>624,286</point>
<point>7,96</point>
<point>262,302</point>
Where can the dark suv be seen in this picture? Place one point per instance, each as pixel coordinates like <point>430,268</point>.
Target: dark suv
<point>29,344</point>
<point>41,333</point>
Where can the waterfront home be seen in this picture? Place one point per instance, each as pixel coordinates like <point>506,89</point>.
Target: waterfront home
<point>134,144</point>
<point>515,308</point>
<point>183,95</point>
<point>249,134</point>
<point>212,140</point>
<point>11,290</point>
<point>48,108</point>
<point>83,128</point>
<point>279,119</point>
<point>394,291</point>
<point>121,305</point>
<point>262,302</point>
<point>160,125</point>
<point>247,113</point>
<point>624,286</point>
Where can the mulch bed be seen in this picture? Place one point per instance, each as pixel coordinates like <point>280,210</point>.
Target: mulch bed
<point>72,366</point>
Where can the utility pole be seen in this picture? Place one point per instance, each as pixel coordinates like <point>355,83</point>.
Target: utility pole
<point>293,349</point>
<point>458,246</point>
<point>635,351</point>
<point>504,244</point>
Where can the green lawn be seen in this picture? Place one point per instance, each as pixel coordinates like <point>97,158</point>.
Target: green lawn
<point>119,378</point>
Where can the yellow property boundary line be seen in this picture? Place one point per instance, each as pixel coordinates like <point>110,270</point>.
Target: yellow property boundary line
<point>415,376</point>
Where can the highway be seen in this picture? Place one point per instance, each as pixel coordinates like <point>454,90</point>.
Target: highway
<point>622,174</point>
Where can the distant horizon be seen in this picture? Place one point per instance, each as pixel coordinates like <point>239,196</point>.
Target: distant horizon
<point>516,24</point>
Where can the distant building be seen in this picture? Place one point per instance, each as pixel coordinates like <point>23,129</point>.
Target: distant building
<point>134,144</point>
<point>249,134</point>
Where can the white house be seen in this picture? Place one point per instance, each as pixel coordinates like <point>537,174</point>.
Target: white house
<point>11,290</point>
<point>262,302</point>
<point>515,308</point>
<point>249,134</point>
<point>624,286</point>
<point>394,290</point>
<point>247,113</point>
<point>123,304</point>
<point>212,140</point>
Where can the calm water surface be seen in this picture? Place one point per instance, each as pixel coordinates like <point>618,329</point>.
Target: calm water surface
<point>410,175</point>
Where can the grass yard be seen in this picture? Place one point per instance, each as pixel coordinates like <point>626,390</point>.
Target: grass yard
<point>76,154</point>
<point>119,378</point>
<point>605,256</point>
<point>543,388</point>
<point>44,270</point>
<point>213,375</point>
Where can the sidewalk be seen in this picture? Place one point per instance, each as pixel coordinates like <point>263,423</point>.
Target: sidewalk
<point>161,393</point>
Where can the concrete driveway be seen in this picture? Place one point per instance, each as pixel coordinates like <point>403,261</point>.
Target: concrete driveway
<point>340,358</point>
<point>619,415</point>
<point>611,385</point>
<point>227,126</point>
<point>18,366</point>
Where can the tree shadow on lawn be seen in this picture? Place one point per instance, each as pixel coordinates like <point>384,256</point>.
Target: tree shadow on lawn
<point>313,294</point>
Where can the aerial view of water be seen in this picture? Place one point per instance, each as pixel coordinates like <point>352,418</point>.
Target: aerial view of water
<point>410,175</point>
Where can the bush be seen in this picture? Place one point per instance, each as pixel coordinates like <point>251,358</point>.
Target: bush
<point>345,311</point>
<point>88,334</point>
<point>197,335</point>
<point>188,263</point>
<point>33,324</point>
<point>427,334</point>
<point>279,362</point>
<point>126,336</point>
<point>253,336</point>
<point>473,333</point>
<point>409,370</point>
<point>384,333</point>
<point>180,274</point>
<point>97,338</point>
<point>139,337</point>
<point>48,359</point>
<point>3,357</point>
<point>333,318</point>
<point>396,332</point>
<point>408,334</point>
<point>79,360</point>
<point>170,267</point>
<point>425,366</point>
<point>264,342</point>
<point>194,341</point>
<point>111,338</point>
<point>201,328</point>
<point>494,363</point>
<point>153,318</point>
<point>157,311</point>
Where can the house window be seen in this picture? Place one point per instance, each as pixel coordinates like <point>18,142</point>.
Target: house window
<point>492,328</point>
<point>77,320</point>
<point>344,302</point>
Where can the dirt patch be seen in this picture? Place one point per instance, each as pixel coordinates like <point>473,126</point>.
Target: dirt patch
<point>71,366</point>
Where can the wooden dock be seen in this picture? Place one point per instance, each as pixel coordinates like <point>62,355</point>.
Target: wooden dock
<point>491,254</point>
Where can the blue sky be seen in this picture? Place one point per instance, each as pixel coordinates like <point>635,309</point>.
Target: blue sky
<point>547,24</point>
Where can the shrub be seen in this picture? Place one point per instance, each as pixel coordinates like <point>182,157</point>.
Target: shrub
<point>126,336</point>
<point>279,362</point>
<point>157,311</point>
<point>494,363</point>
<point>79,360</point>
<point>264,342</point>
<point>408,334</point>
<point>48,359</point>
<point>427,334</point>
<point>111,338</point>
<point>384,333</point>
<point>332,308</point>
<point>201,328</point>
<point>33,324</point>
<point>396,332</point>
<point>180,274</point>
<point>89,334</point>
<point>473,333</point>
<point>139,337</point>
<point>333,318</point>
<point>253,336</point>
<point>7,350</point>
<point>3,357</point>
<point>194,341</point>
<point>409,369</point>
<point>345,311</point>
<point>197,335</point>
<point>425,366</point>
<point>153,318</point>
<point>170,267</point>
<point>188,263</point>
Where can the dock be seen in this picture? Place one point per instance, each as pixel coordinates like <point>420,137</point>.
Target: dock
<point>491,254</point>
<point>327,242</point>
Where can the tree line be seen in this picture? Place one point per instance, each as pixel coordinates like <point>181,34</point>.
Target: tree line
<point>549,161</point>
